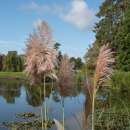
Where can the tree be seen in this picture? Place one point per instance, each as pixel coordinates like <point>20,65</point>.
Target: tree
<point>90,58</point>
<point>123,44</point>
<point>111,15</point>
<point>13,62</point>
<point>1,62</point>
<point>59,57</point>
<point>57,46</point>
<point>77,62</point>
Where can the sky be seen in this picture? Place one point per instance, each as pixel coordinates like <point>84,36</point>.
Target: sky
<point>71,22</point>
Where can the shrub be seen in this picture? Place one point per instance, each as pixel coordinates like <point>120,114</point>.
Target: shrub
<point>120,80</point>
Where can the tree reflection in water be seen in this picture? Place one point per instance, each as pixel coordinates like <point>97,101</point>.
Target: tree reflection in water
<point>9,90</point>
<point>33,94</point>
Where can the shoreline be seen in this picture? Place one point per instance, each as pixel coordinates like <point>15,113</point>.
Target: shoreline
<point>13,75</point>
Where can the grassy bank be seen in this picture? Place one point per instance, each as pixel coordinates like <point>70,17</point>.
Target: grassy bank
<point>12,75</point>
<point>120,80</point>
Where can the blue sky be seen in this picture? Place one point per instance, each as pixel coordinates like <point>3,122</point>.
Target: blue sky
<point>71,22</point>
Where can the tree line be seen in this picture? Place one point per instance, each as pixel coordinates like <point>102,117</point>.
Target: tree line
<point>113,28</point>
<point>14,62</point>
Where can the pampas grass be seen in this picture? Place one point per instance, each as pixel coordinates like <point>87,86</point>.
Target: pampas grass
<point>41,58</point>
<point>103,71</point>
<point>65,75</point>
<point>65,80</point>
<point>103,68</point>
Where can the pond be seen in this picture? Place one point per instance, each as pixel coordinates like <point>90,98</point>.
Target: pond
<point>18,97</point>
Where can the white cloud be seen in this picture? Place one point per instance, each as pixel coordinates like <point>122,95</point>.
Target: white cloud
<point>36,8</point>
<point>78,14</point>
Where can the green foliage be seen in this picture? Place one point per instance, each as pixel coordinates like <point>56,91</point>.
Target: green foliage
<point>1,62</point>
<point>78,63</point>
<point>113,28</point>
<point>13,62</point>
<point>79,77</point>
<point>120,80</point>
<point>90,59</point>
<point>123,44</point>
<point>29,121</point>
<point>57,46</point>
<point>59,57</point>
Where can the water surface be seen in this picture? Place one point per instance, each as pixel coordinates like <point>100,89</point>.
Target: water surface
<point>18,97</point>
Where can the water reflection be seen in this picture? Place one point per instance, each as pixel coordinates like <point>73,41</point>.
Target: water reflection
<point>18,97</point>
<point>33,94</point>
<point>9,90</point>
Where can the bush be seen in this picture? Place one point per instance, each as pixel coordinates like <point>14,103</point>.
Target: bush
<point>120,80</point>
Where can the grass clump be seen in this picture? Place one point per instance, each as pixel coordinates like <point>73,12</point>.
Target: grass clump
<point>120,80</point>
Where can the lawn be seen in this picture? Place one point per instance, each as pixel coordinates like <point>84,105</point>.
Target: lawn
<point>13,75</point>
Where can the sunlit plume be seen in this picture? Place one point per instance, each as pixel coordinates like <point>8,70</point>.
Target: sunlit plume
<point>102,72</point>
<point>103,68</point>
<point>65,76</point>
<point>41,57</point>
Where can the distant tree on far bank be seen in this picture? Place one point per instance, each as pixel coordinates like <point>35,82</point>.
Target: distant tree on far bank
<point>78,63</point>
<point>12,62</point>
<point>1,61</point>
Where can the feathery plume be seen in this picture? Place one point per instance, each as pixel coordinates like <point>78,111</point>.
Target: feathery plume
<point>65,80</point>
<point>58,125</point>
<point>103,67</point>
<point>103,71</point>
<point>65,76</point>
<point>41,57</point>
<point>45,33</point>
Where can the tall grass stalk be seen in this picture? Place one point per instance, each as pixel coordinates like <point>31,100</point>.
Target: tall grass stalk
<point>93,111</point>
<point>41,58</point>
<point>41,109</point>
<point>65,80</point>
<point>103,71</point>
<point>63,113</point>
<point>45,106</point>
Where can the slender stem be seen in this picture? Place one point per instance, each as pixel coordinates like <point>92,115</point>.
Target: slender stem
<point>93,110</point>
<point>52,86</point>
<point>41,108</point>
<point>63,120</point>
<point>45,112</point>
